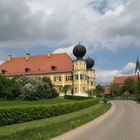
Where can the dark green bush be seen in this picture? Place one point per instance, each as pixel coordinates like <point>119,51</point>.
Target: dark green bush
<point>138,98</point>
<point>76,97</point>
<point>11,115</point>
<point>105,100</point>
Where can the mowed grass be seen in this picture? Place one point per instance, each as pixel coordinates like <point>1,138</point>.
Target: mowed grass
<point>7,103</point>
<point>47,128</point>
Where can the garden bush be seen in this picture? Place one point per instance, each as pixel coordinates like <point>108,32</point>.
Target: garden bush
<point>138,98</point>
<point>26,88</point>
<point>12,115</point>
<point>76,97</point>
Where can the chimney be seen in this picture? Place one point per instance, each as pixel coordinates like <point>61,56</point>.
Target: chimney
<point>27,56</point>
<point>49,54</point>
<point>9,58</point>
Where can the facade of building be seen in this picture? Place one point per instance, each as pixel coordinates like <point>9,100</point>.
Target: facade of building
<point>60,68</point>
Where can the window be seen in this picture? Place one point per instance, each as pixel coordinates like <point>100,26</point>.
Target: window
<point>76,77</point>
<point>68,78</point>
<point>91,82</point>
<point>27,69</point>
<point>53,67</point>
<point>83,77</point>
<point>84,89</point>
<point>3,71</point>
<point>75,89</point>
<point>57,78</point>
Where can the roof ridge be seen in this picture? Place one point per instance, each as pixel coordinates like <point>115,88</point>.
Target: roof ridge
<point>37,55</point>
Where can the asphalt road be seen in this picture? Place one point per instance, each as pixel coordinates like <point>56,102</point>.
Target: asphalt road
<point>121,124</point>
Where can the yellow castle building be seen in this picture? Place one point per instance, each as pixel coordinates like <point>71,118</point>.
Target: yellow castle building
<point>60,68</point>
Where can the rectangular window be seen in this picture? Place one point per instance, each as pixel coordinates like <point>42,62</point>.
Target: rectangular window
<point>84,89</point>
<point>91,82</point>
<point>75,89</point>
<point>76,77</point>
<point>68,78</point>
<point>57,78</point>
<point>83,77</point>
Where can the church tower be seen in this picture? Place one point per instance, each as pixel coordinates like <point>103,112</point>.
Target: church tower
<point>137,69</point>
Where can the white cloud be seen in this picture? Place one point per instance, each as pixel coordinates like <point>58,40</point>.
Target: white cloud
<point>129,68</point>
<point>66,22</point>
<point>106,76</point>
<point>1,61</point>
<point>68,50</point>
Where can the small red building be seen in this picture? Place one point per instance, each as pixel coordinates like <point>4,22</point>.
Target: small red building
<point>106,89</point>
<point>121,79</point>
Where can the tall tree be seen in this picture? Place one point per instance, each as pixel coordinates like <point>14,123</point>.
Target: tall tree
<point>130,85</point>
<point>116,89</point>
<point>99,89</point>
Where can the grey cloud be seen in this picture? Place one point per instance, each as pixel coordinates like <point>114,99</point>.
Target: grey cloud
<point>69,22</point>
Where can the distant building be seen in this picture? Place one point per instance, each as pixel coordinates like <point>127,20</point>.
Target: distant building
<point>121,79</point>
<point>60,68</point>
<point>106,89</point>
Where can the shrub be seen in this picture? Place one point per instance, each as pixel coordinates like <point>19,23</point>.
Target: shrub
<point>11,115</point>
<point>105,100</point>
<point>9,88</point>
<point>34,89</point>
<point>31,89</point>
<point>76,97</point>
<point>138,98</point>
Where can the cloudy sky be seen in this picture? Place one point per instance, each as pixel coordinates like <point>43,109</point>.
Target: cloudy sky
<point>110,30</point>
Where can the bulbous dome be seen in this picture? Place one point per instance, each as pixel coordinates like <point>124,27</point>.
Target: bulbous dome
<point>79,51</point>
<point>90,63</point>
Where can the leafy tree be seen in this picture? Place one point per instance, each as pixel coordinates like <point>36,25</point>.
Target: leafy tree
<point>91,92</point>
<point>129,86</point>
<point>116,89</point>
<point>31,89</point>
<point>9,87</point>
<point>65,88</point>
<point>48,81</point>
<point>34,89</point>
<point>99,89</point>
<point>138,90</point>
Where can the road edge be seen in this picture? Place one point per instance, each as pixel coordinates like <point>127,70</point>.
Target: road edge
<point>90,124</point>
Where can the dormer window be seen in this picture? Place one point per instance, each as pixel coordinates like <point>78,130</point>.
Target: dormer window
<point>27,69</point>
<point>3,71</point>
<point>53,67</point>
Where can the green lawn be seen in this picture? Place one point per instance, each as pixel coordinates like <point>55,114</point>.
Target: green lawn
<point>47,128</point>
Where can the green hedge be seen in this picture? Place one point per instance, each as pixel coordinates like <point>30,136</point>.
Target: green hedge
<point>11,115</point>
<point>76,97</point>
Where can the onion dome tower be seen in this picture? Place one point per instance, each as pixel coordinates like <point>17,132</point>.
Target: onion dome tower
<point>80,70</point>
<point>79,51</point>
<point>90,63</point>
<point>90,73</point>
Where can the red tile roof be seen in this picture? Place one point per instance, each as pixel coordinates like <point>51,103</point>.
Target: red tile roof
<point>39,64</point>
<point>121,79</point>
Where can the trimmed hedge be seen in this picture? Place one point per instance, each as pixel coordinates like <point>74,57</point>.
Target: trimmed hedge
<point>12,115</point>
<point>76,97</point>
